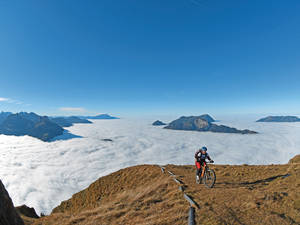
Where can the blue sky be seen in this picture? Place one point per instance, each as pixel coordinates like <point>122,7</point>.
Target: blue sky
<point>134,57</point>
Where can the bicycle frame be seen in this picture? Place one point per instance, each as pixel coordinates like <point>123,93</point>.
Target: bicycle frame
<point>203,169</point>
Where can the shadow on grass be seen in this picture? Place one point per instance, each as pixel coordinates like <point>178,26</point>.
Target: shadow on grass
<point>267,179</point>
<point>247,183</point>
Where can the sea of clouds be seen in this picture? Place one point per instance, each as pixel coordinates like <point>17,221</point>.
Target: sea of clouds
<point>41,174</point>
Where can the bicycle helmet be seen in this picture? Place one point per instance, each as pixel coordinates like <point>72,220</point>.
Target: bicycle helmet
<point>204,149</point>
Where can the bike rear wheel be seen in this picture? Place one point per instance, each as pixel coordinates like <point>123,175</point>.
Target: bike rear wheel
<point>209,178</point>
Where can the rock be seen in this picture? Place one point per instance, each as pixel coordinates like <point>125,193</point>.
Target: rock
<point>27,211</point>
<point>207,117</point>
<point>279,119</point>
<point>197,123</point>
<point>107,139</point>
<point>158,123</point>
<point>8,214</point>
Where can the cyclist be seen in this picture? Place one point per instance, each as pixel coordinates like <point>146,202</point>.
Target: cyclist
<point>201,155</point>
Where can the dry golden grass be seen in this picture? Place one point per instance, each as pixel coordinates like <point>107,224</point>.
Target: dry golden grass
<point>246,194</point>
<point>135,195</point>
<point>143,195</point>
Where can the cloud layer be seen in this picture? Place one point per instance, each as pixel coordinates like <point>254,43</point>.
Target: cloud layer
<point>42,175</point>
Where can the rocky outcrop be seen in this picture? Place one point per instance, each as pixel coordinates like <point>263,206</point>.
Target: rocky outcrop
<point>27,211</point>
<point>158,123</point>
<point>197,123</point>
<point>207,117</point>
<point>279,119</point>
<point>107,139</point>
<point>8,214</point>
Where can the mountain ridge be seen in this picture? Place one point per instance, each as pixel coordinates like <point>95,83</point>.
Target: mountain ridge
<point>99,117</point>
<point>279,119</point>
<point>42,127</point>
<point>250,194</point>
<point>31,124</point>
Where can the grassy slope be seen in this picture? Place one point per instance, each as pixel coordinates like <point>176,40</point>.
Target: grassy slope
<point>135,195</point>
<point>143,195</point>
<point>246,194</point>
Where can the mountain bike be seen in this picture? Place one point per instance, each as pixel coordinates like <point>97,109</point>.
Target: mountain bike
<point>207,175</point>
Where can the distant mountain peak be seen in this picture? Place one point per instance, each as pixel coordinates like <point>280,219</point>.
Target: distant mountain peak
<point>279,119</point>
<point>99,117</point>
<point>31,124</point>
<point>201,123</point>
<point>158,123</point>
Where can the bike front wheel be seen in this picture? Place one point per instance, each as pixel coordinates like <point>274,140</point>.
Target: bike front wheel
<point>209,178</point>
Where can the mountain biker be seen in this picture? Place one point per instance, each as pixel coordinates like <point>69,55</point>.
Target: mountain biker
<point>201,155</point>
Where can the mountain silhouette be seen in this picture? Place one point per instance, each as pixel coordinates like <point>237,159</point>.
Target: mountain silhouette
<point>68,121</point>
<point>279,119</point>
<point>197,123</point>
<point>31,124</point>
<point>99,117</point>
<point>158,123</point>
<point>41,127</point>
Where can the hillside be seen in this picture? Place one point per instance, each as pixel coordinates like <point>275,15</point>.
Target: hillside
<point>144,195</point>
<point>135,195</point>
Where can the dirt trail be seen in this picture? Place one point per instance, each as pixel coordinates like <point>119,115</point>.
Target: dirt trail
<point>245,194</point>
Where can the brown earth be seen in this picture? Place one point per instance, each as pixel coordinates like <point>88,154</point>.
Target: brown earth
<point>8,213</point>
<point>144,195</point>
